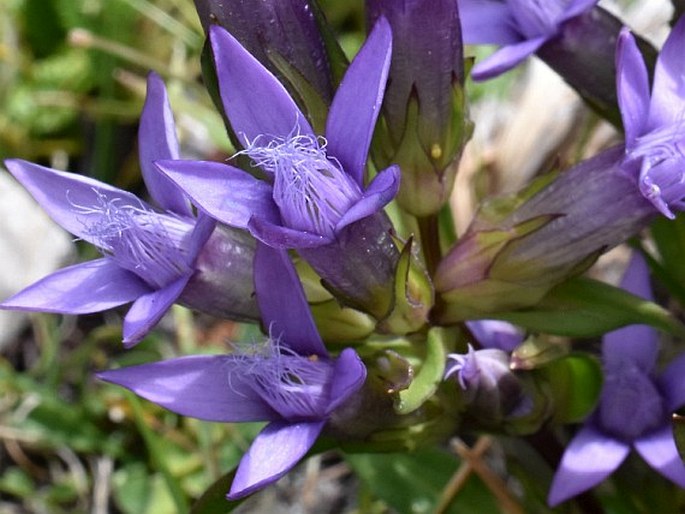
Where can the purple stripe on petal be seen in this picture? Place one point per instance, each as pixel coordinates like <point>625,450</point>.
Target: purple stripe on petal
<point>85,288</point>
<point>660,452</point>
<point>357,102</point>
<point>75,202</point>
<point>200,386</point>
<point>147,310</point>
<point>290,321</point>
<point>277,236</point>
<point>589,458</point>
<point>348,376</point>
<point>227,194</point>
<point>506,58</point>
<point>632,84</point>
<point>380,192</point>
<point>157,141</point>
<point>277,448</point>
<point>255,102</point>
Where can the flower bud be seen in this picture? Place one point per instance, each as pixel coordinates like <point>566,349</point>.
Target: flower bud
<point>491,390</point>
<point>515,251</point>
<point>424,126</point>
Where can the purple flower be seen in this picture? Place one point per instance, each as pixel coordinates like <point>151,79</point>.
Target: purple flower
<point>492,391</point>
<point>313,197</point>
<point>521,26</point>
<point>494,333</point>
<point>634,408</point>
<point>290,381</point>
<point>152,257</point>
<point>654,124</point>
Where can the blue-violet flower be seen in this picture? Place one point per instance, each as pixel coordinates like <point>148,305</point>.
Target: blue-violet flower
<point>152,257</point>
<point>291,381</point>
<point>634,408</point>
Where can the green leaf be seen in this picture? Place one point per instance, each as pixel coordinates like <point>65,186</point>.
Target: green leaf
<point>678,423</point>
<point>583,307</point>
<point>430,375</point>
<point>414,482</point>
<point>213,500</point>
<point>574,383</point>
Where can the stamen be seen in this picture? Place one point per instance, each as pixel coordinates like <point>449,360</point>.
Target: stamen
<point>297,387</point>
<point>150,244</point>
<point>310,188</point>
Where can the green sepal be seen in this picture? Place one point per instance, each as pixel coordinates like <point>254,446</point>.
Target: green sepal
<point>426,381</point>
<point>413,296</point>
<point>338,324</point>
<point>573,383</point>
<point>539,350</point>
<point>310,100</point>
<point>583,307</point>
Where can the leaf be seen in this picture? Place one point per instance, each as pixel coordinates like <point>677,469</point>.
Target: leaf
<point>213,500</point>
<point>574,383</point>
<point>583,307</point>
<point>413,482</point>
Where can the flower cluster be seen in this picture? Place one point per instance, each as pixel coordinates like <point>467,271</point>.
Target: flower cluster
<point>330,227</point>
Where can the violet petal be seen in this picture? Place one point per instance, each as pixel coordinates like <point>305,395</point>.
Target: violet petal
<point>380,192</point>
<point>147,310</point>
<point>290,321</point>
<point>356,105</point>
<point>589,458</point>
<point>668,90</point>
<point>204,226</point>
<point>658,449</point>
<point>632,84</point>
<point>348,376</point>
<point>67,197</point>
<point>277,448</point>
<point>576,8</point>
<point>227,194</point>
<point>506,58</point>
<point>199,386</point>
<point>92,286</point>
<point>487,22</point>
<point>157,141</point>
<point>255,102</point>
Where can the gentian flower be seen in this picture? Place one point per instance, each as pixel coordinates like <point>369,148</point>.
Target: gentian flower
<point>654,123</point>
<point>510,258</point>
<point>491,390</point>
<point>153,257</point>
<point>634,408</point>
<point>313,198</point>
<point>424,125</point>
<point>291,381</point>
<point>521,26</point>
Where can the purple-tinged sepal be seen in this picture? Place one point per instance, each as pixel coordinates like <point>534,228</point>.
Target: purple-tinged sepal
<point>290,38</point>
<point>518,248</point>
<point>424,124</point>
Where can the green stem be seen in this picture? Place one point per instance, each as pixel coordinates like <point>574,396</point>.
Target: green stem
<point>429,231</point>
